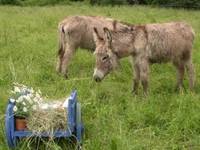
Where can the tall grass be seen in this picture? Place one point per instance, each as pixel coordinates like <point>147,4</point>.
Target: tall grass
<point>113,117</point>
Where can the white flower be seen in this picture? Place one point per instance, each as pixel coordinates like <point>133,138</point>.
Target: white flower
<point>15,108</point>
<point>30,101</point>
<point>28,98</point>
<point>20,99</point>
<point>23,97</point>
<point>12,100</point>
<point>16,89</point>
<point>24,90</point>
<point>34,107</point>
<point>13,92</point>
<point>25,109</point>
<point>24,103</point>
<point>30,95</point>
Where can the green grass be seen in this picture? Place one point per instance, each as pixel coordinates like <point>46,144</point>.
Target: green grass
<point>113,117</point>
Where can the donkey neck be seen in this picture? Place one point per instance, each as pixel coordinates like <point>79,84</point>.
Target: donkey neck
<point>124,42</point>
<point>123,45</point>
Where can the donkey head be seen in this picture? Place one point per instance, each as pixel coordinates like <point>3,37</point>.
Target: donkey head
<point>106,59</point>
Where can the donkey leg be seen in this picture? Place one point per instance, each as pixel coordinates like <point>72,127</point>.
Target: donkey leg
<point>144,74</point>
<point>58,65</point>
<point>136,79</point>
<point>180,75</point>
<point>191,73</point>
<point>59,62</point>
<point>69,52</point>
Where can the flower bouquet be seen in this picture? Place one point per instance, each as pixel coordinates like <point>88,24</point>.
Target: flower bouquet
<point>34,113</point>
<point>25,101</point>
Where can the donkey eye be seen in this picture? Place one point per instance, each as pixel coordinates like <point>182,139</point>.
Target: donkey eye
<point>105,57</point>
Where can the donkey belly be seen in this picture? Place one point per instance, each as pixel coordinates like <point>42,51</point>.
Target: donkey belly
<point>159,56</point>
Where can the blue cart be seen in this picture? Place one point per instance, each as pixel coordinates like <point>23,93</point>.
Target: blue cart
<point>74,124</point>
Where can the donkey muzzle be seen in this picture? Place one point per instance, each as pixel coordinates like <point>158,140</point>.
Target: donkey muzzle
<point>98,75</point>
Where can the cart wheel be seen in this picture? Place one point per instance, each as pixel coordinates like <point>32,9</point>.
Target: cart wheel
<point>9,126</point>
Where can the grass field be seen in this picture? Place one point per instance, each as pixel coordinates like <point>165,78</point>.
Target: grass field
<point>113,117</point>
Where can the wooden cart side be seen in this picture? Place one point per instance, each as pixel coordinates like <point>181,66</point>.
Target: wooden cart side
<point>10,125</point>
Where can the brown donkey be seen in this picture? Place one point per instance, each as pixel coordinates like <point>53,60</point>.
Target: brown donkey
<point>77,32</point>
<point>147,44</point>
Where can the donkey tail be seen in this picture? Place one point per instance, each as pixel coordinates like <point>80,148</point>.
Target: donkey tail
<point>61,42</point>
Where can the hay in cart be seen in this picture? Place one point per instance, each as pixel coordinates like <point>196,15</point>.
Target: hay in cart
<point>49,117</point>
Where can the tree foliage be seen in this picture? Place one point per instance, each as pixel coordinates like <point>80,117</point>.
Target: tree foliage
<point>163,3</point>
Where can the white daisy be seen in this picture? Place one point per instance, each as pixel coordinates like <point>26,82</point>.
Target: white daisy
<point>24,103</point>
<point>28,98</point>
<point>20,99</point>
<point>16,89</point>
<point>30,101</point>
<point>23,90</point>
<point>13,92</point>
<point>15,108</point>
<point>12,100</point>
<point>25,109</point>
<point>30,95</point>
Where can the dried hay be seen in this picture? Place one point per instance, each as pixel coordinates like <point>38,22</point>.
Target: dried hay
<point>48,119</point>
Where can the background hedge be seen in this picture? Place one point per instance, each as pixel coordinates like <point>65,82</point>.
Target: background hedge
<point>164,3</point>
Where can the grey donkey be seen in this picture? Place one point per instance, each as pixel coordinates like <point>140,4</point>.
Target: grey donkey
<point>146,44</point>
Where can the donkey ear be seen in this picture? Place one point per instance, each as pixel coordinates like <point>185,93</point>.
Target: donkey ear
<point>107,35</point>
<point>96,35</point>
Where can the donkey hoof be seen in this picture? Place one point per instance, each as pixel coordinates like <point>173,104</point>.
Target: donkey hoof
<point>65,76</point>
<point>145,94</point>
<point>58,69</point>
<point>179,88</point>
<point>134,92</point>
